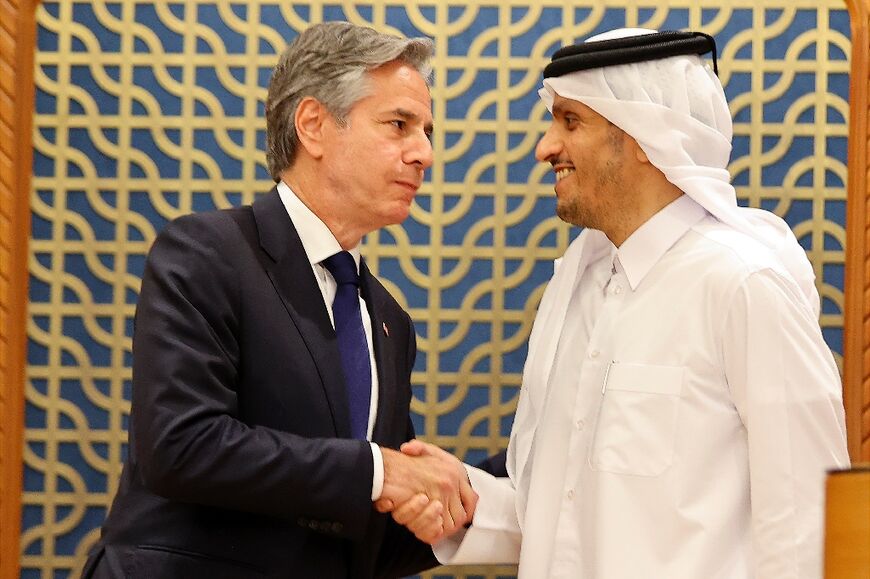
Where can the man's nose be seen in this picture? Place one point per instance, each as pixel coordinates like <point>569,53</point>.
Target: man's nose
<point>548,147</point>
<point>420,151</point>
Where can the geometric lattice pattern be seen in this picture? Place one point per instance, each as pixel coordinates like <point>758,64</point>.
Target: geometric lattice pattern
<point>149,110</point>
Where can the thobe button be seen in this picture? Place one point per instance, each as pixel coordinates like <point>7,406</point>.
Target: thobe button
<point>617,290</point>
<point>594,354</point>
<point>580,424</point>
<point>570,495</point>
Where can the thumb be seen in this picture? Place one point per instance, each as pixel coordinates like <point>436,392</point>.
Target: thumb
<point>384,505</point>
<point>414,448</point>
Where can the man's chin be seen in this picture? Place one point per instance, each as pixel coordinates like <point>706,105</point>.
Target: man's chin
<point>570,215</point>
<point>397,216</point>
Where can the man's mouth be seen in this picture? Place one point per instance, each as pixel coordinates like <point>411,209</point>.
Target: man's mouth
<point>562,173</point>
<point>409,185</point>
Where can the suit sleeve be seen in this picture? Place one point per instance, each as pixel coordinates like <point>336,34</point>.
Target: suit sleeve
<point>496,465</point>
<point>187,440</point>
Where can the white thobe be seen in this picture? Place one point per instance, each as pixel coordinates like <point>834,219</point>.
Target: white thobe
<point>678,412</point>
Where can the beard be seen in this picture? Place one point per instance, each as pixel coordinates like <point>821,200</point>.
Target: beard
<point>597,208</point>
<point>573,211</point>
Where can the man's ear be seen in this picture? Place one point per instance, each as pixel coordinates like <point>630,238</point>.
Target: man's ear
<point>310,119</point>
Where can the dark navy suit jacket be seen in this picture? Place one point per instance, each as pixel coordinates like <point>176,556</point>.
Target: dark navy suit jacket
<point>241,463</point>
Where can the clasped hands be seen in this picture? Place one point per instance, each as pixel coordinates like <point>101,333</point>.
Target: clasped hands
<point>427,490</point>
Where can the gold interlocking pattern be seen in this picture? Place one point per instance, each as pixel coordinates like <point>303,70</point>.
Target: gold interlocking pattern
<point>150,110</point>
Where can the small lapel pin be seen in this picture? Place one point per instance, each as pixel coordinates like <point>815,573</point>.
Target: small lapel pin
<point>386,330</point>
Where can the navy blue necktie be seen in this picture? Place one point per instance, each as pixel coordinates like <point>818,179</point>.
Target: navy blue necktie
<point>352,344</point>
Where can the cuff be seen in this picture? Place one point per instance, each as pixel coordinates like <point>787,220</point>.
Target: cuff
<point>494,536</point>
<point>378,472</point>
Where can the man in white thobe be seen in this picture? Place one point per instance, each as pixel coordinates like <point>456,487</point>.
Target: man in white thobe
<point>679,405</point>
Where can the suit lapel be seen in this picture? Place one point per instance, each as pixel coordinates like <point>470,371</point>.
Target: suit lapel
<point>294,281</point>
<point>385,352</point>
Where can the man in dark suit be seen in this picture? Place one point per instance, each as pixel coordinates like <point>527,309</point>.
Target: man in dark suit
<point>254,449</point>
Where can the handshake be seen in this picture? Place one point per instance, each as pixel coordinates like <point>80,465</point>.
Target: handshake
<point>427,490</point>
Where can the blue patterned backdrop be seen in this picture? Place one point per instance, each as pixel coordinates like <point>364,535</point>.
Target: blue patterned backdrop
<point>149,110</point>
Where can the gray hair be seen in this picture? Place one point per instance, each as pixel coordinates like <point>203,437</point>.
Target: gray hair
<point>329,62</point>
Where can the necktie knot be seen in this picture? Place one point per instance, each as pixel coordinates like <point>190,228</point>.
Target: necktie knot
<point>343,268</point>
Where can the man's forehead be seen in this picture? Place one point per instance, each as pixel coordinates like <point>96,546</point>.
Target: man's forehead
<point>405,71</point>
<point>562,105</point>
<point>398,71</point>
<point>399,87</point>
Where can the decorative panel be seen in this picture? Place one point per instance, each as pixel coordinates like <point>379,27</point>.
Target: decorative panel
<point>149,110</point>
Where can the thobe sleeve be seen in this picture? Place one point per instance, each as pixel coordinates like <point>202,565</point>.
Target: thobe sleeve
<point>786,387</point>
<point>495,535</point>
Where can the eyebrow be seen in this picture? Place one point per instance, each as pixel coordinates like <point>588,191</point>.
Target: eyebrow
<point>409,116</point>
<point>561,109</point>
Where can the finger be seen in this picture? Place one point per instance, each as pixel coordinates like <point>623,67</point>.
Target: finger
<point>414,447</point>
<point>469,499</point>
<point>428,519</point>
<point>384,505</point>
<point>428,527</point>
<point>412,509</point>
<point>432,535</point>
<point>454,515</point>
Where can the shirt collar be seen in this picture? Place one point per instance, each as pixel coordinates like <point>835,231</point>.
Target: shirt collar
<point>317,240</point>
<point>601,269</point>
<point>646,246</point>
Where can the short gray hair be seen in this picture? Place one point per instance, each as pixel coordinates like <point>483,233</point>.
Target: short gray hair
<point>329,62</point>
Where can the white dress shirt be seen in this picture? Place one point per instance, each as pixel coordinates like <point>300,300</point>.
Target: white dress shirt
<point>679,410</point>
<point>319,244</point>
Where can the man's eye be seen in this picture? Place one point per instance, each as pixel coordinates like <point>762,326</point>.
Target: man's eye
<point>399,124</point>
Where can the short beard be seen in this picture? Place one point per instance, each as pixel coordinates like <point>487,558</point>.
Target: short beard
<point>608,182</point>
<point>572,212</point>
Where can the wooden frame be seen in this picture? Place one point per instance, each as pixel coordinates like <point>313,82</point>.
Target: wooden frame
<point>856,318</point>
<point>17,46</point>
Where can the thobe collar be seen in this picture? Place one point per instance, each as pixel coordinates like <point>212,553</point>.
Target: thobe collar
<point>649,242</point>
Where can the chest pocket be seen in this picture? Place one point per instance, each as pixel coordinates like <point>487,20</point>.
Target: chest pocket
<point>635,432</point>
